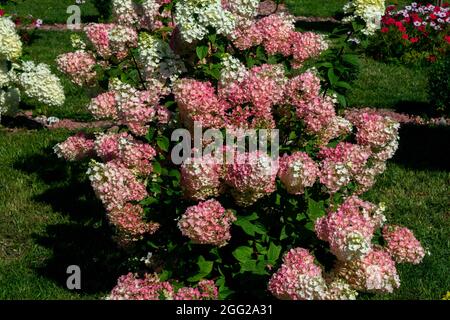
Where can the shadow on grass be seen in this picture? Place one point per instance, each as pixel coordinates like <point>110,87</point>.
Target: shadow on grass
<point>424,147</point>
<point>415,108</point>
<point>84,237</point>
<point>319,26</point>
<point>20,122</point>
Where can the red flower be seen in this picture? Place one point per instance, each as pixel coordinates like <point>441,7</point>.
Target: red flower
<point>433,17</point>
<point>422,28</point>
<point>405,36</point>
<point>447,38</point>
<point>385,30</point>
<point>432,58</point>
<point>414,40</point>
<point>2,12</point>
<point>390,21</point>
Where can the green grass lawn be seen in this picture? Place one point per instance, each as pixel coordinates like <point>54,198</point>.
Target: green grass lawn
<point>389,86</point>
<point>52,11</point>
<point>324,8</point>
<point>50,219</point>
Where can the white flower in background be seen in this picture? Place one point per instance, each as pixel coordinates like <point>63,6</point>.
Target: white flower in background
<point>77,42</point>
<point>151,9</point>
<point>9,101</point>
<point>10,44</point>
<point>4,76</point>
<point>158,58</point>
<point>195,16</point>
<point>370,11</point>
<point>233,70</point>
<point>125,12</point>
<point>38,82</point>
<point>244,10</point>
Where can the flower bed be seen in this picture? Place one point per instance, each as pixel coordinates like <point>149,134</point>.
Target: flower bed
<point>416,33</point>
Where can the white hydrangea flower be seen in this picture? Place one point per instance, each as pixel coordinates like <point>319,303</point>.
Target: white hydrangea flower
<point>311,288</point>
<point>9,101</point>
<point>157,59</point>
<point>244,11</point>
<point>38,82</point>
<point>357,246</point>
<point>371,11</point>
<point>151,9</point>
<point>233,70</point>
<point>4,76</point>
<point>10,44</point>
<point>195,16</point>
<point>125,12</point>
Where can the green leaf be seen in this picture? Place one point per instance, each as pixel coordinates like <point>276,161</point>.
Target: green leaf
<point>324,65</point>
<point>163,142</point>
<point>205,268</point>
<point>250,228</point>
<point>248,266</point>
<point>157,167</point>
<point>342,100</point>
<point>332,76</point>
<point>149,201</point>
<point>273,253</point>
<point>202,52</point>
<point>260,54</point>
<point>316,209</point>
<point>351,59</point>
<point>283,234</point>
<point>150,134</point>
<point>224,292</point>
<point>343,84</point>
<point>175,173</point>
<point>212,38</point>
<point>261,249</point>
<point>310,226</point>
<point>243,254</point>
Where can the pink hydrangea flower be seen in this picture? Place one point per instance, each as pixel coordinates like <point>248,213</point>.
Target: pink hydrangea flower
<point>376,272</point>
<point>124,149</point>
<point>79,66</point>
<point>104,106</point>
<point>205,290</point>
<point>299,278</point>
<point>130,287</point>
<point>200,177</point>
<point>378,132</point>
<point>342,164</point>
<point>402,245</point>
<point>198,102</point>
<point>150,287</point>
<point>115,185</point>
<point>251,176</point>
<point>297,172</point>
<point>350,229</point>
<point>75,148</point>
<point>129,223</point>
<point>98,35</point>
<point>207,223</point>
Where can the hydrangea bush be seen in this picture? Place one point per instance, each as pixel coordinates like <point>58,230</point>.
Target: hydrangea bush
<point>292,226</point>
<point>27,78</point>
